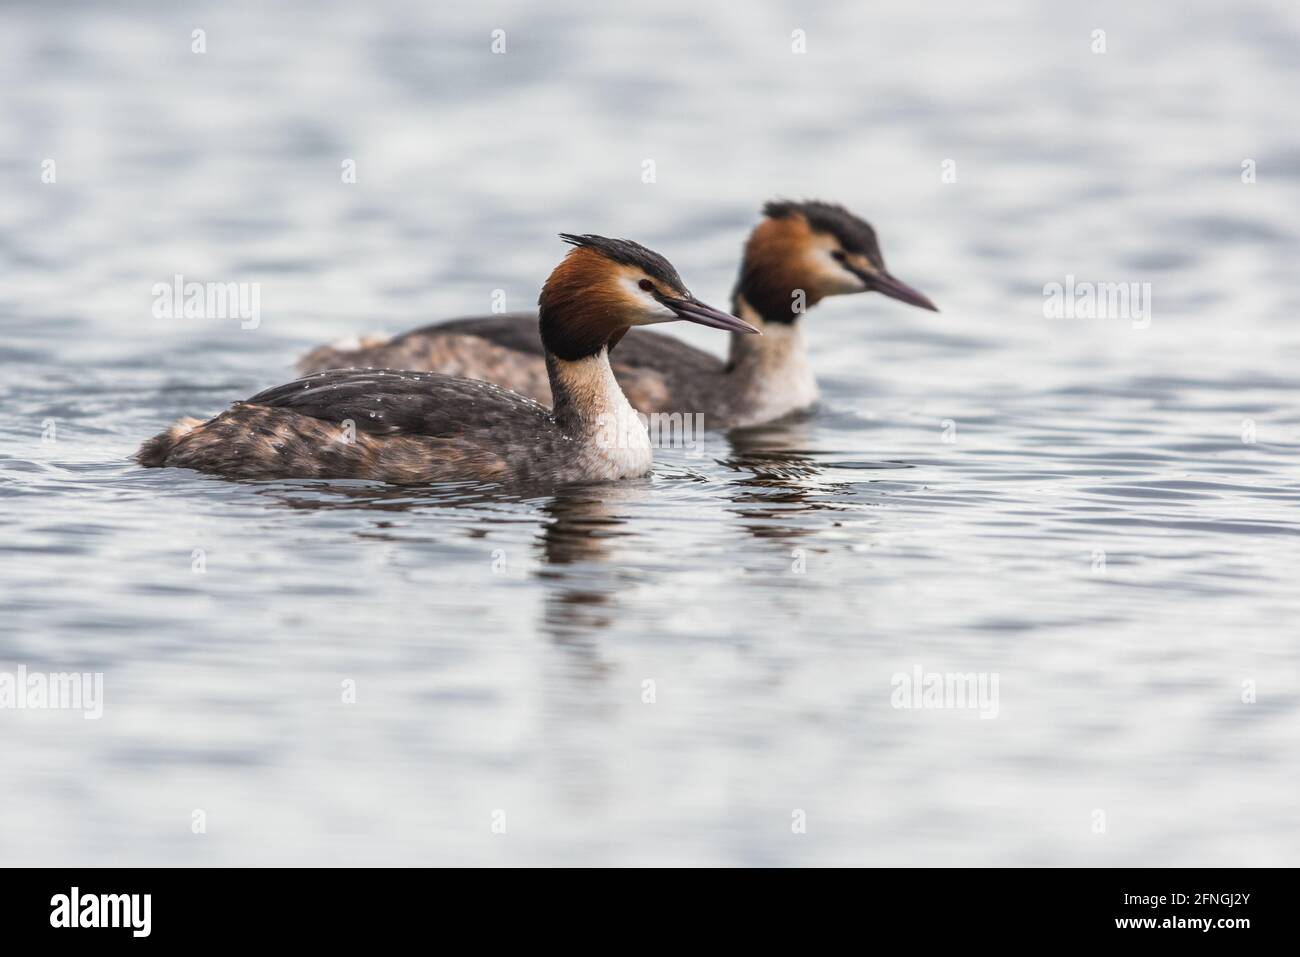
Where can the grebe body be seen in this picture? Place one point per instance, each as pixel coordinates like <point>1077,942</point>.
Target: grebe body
<point>411,427</point>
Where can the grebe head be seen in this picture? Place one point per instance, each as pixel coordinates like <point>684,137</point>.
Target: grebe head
<point>821,249</point>
<point>605,286</point>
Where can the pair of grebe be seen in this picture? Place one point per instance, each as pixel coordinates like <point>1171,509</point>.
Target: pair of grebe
<point>468,399</point>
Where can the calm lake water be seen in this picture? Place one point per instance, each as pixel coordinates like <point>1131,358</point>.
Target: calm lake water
<point>697,668</point>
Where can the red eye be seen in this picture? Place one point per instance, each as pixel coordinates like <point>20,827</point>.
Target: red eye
<point>647,285</point>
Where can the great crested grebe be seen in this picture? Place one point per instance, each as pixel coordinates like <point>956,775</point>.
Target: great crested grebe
<point>798,255</point>
<point>416,427</point>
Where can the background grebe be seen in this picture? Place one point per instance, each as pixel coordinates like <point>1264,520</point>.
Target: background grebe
<point>420,427</point>
<point>798,255</point>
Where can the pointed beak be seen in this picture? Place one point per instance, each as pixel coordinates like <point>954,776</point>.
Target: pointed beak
<point>884,283</point>
<point>693,310</point>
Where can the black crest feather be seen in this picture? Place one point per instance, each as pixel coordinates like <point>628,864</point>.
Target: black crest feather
<point>630,254</point>
<point>854,234</point>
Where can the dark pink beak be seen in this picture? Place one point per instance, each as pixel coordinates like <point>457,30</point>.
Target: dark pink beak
<point>885,284</point>
<point>693,310</point>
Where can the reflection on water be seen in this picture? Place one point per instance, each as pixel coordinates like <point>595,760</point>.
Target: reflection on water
<point>662,671</point>
<point>584,525</point>
<point>778,477</point>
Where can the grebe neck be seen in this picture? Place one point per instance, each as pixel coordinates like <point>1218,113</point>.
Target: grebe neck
<point>769,376</point>
<point>589,406</point>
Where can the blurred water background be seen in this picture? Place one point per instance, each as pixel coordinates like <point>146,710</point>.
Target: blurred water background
<point>1114,530</point>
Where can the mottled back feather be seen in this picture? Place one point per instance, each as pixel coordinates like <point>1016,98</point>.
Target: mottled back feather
<point>410,403</point>
<point>516,331</point>
<point>639,348</point>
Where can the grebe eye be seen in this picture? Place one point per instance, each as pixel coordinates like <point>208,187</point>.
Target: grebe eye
<point>838,255</point>
<point>647,285</point>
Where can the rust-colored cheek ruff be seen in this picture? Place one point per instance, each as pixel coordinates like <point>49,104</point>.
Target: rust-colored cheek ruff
<point>771,273</point>
<point>581,305</point>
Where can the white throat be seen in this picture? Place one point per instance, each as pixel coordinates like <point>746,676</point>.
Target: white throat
<point>588,401</point>
<point>771,373</point>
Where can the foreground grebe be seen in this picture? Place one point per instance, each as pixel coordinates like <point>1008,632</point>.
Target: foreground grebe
<point>417,427</point>
<point>798,255</point>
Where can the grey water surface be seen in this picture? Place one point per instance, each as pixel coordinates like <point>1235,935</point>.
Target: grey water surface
<point>696,668</point>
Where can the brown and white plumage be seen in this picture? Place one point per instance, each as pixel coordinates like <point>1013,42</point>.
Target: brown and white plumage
<point>799,254</point>
<point>419,427</point>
